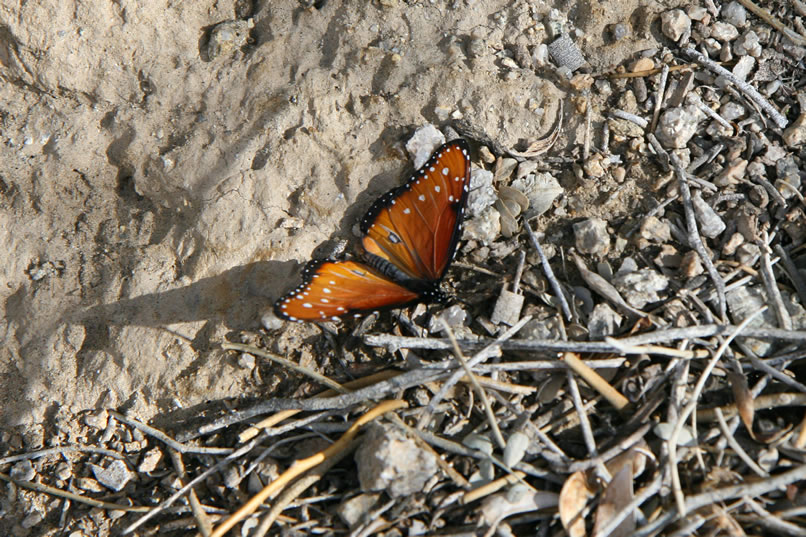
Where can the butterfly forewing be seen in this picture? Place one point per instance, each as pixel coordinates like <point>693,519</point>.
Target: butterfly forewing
<point>333,289</point>
<point>416,227</point>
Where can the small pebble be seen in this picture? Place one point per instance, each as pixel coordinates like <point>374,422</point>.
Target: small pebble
<point>795,134</point>
<point>603,322</point>
<point>690,265</point>
<point>747,44</point>
<point>710,223</point>
<point>675,24</point>
<point>32,520</point>
<point>697,13</point>
<point>149,461</point>
<point>423,143</point>
<point>743,67</point>
<point>642,64</point>
<point>455,316</point>
<point>485,227</point>
<point>97,419</point>
<point>114,476</point>
<point>507,308</point>
<point>227,37</point>
<point>668,257</point>
<point>565,53</point>
<point>732,173</point>
<point>515,448</point>
<point>677,126</point>
<point>23,471</point>
<point>655,230</point>
<point>723,31</point>
<point>486,155</point>
<point>388,460</point>
<point>730,246</point>
<point>353,510</point>
<point>482,194</point>
<point>591,237</point>
<point>732,111</point>
<point>619,31</point>
<point>745,301</point>
<point>641,287</point>
<point>747,253</point>
<point>734,13</point>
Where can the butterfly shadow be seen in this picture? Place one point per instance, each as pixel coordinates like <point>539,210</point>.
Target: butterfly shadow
<point>237,297</point>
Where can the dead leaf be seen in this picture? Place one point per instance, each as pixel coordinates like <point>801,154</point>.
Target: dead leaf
<point>574,498</point>
<point>743,398</point>
<point>617,495</point>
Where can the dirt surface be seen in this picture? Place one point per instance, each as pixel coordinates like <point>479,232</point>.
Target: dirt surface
<point>154,199</point>
<point>156,195</point>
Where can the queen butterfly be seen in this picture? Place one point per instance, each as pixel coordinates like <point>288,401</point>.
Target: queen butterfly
<point>409,238</point>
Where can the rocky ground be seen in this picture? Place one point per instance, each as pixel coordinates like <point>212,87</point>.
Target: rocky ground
<point>167,168</point>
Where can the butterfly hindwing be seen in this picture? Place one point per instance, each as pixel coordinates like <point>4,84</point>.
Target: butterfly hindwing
<point>333,289</point>
<point>415,227</point>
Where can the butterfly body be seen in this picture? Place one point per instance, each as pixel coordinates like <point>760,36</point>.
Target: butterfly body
<point>409,238</point>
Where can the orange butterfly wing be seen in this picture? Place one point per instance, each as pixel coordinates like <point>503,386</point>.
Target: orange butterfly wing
<point>415,227</point>
<point>333,289</point>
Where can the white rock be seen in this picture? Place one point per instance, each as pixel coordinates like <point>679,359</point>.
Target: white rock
<point>734,13</point>
<point>482,194</point>
<point>747,44</point>
<point>674,24</point>
<point>484,228</point>
<point>423,143</point>
<point>677,126</point>
<point>723,31</point>
<point>743,67</point>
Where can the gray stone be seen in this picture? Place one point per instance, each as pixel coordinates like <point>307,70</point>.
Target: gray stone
<point>352,511</point>
<point>565,53</point>
<point>23,471</point>
<point>114,476</point>
<point>641,287</point>
<point>743,67</point>
<point>710,223</point>
<point>603,322</point>
<point>591,237</point>
<point>389,460</point>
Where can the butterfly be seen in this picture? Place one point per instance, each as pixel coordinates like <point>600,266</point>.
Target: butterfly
<point>408,237</point>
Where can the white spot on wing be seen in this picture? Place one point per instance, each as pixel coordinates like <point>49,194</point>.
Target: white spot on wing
<point>324,300</point>
<point>421,197</point>
<point>406,211</point>
<point>325,290</point>
<point>307,305</point>
<point>436,188</point>
<point>445,171</point>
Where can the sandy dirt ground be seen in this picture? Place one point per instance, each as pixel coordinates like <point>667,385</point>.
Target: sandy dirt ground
<point>153,198</point>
